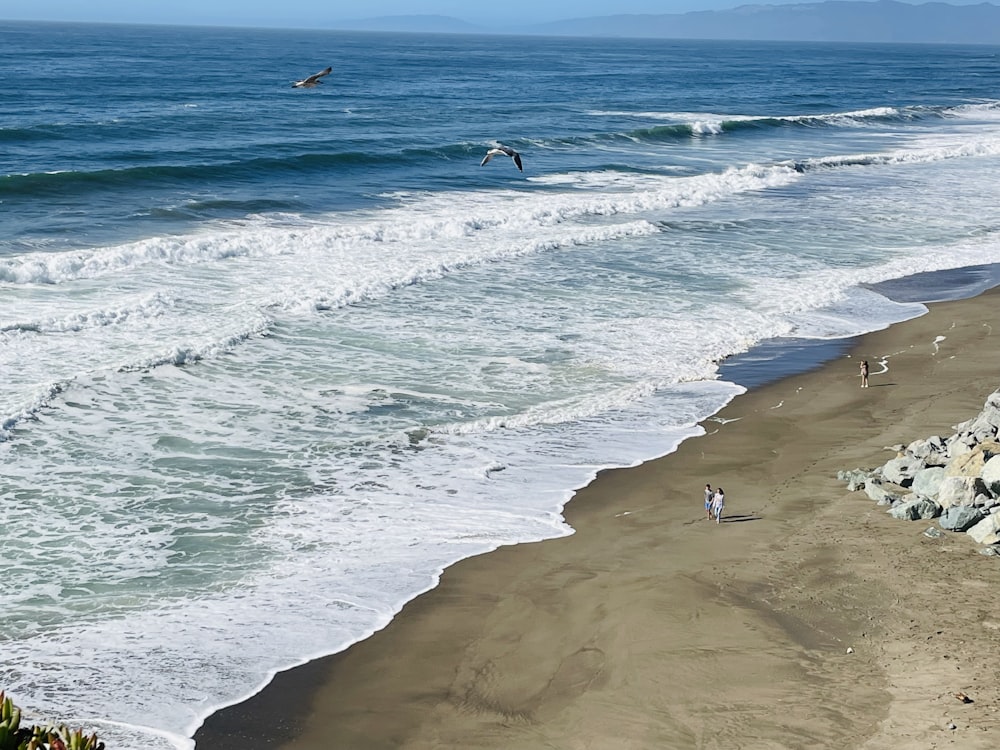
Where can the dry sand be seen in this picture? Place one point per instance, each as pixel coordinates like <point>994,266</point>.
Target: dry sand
<point>652,627</point>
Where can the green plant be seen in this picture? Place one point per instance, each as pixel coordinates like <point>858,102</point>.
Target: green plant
<point>15,737</point>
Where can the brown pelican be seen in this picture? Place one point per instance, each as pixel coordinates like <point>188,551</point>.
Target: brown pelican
<point>308,83</point>
<point>505,151</point>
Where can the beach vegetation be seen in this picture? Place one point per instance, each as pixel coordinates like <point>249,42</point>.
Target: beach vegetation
<point>14,736</point>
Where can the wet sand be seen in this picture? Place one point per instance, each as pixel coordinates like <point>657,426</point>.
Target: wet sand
<point>652,627</point>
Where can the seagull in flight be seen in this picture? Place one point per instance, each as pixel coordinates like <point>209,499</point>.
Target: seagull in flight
<point>311,81</point>
<point>503,151</point>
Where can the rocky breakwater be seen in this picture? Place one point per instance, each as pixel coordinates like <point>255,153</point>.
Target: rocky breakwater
<point>954,479</point>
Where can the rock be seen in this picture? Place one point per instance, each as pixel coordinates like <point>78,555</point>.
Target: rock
<point>991,551</point>
<point>959,491</point>
<point>971,464</point>
<point>991,476</point>
<point>959,445</point>
<point>901,470</point>
<point>989,416</point>
<point>988,420</point>
<point>933,451</point>
<point>985,532</point>
<point>960,518</point>
<point>933,533</point>
<point>877,491</point>
<point>856,478</point>
<point>850,650</point>
<point>915,509</point>
<point>927,481</point>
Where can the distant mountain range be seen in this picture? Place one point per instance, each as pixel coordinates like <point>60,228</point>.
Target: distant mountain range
<point>830,21</point>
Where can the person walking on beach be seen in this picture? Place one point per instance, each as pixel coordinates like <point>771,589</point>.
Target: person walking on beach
<point>718,503</point>
<point>709,496</point>
<point>864,373</point>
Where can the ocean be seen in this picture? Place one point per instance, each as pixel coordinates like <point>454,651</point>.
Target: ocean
<point>273,358</point>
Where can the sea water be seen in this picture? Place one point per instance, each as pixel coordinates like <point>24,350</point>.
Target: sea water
<point>271,359</point>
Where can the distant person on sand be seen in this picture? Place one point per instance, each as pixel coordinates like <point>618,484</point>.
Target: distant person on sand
<point>864,373</point>
<point>718,503</point>
<point>709,496</point>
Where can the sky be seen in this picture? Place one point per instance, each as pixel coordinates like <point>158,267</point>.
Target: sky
<point>325,13</point>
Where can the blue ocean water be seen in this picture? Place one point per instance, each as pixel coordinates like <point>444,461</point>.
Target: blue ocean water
<point>271,358</point>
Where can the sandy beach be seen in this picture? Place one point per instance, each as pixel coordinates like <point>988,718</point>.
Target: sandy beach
<point>652,627</point>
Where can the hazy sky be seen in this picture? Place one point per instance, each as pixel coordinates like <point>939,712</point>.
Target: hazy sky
<point>306,13</point>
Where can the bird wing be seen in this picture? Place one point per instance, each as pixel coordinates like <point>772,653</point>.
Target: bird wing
<point>517,161</point>
<point>314,78</point>
<point>489,155</point>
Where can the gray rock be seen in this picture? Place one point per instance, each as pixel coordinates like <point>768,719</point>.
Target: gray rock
<point>992,551</point>
<point>932,451</point>
<point>927,481</point>
<point>988,420</point>
<point>901,470</point>
<point>960,518</point>
<point>915,509</point>
<point>933,533</point>
<point>877,491</point>
<point>856,478</point>
<point>988,417</point>
<point>959,445</point>
<point>991,476</point>
<point>959,491</point>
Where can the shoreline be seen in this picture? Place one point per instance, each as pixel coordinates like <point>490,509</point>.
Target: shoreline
<point>538,658</point>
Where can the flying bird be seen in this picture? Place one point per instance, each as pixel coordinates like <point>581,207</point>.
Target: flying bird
<point>313,80</point>
<point>505,151</point>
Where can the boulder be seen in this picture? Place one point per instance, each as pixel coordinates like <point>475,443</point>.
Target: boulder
<point>959,445</point>
<point>971,464</point>
<point>915,509</point>
<point>960,518</point>
<point>932,451</point>
<point>901,470</point>
<point>927,481</point>
<point>880,494</point>
<point>987,419</point>
<point>985,532</point>
<point>856,478</point>
<point>959,491</point>
<point>990,448</point>
<point>991,476</point>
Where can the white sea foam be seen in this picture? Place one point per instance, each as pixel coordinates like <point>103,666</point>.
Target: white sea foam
<point>426,219</point>
<point>988,110</point>
<point>712,123</point>
<point>151,305</point>
<point>939,148</point>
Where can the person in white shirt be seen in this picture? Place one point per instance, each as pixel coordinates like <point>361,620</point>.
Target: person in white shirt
<point>718,503</point>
